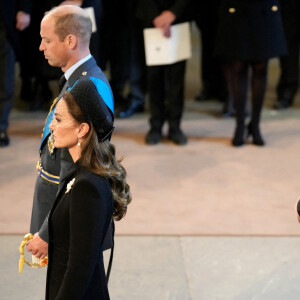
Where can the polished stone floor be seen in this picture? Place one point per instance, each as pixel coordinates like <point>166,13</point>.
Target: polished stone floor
<point>179,268</point>
<point>207,221</point>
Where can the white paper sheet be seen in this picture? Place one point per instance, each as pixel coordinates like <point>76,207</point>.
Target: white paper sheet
<point>160,50</point>
<point>91,13</point>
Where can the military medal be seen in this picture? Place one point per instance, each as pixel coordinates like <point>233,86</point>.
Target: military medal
<point>51,144</point>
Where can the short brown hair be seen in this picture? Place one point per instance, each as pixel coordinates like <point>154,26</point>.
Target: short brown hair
<point>76,24</point>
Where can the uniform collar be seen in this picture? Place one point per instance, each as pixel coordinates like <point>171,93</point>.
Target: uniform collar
<point>70,71</point>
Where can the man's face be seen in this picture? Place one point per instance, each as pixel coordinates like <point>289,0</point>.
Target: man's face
<point>55,51</point>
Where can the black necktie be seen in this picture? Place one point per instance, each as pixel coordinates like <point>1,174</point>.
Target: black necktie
<point>62,82</point>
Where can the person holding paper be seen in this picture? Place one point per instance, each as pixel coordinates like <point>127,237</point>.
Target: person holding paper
<point>165,82</point>
<point>126,57</point>
<point>205,15</point>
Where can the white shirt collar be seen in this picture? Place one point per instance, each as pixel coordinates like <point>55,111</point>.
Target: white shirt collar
<point>70,71</point>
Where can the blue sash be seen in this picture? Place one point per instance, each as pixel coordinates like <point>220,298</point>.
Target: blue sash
<point>105,92</point>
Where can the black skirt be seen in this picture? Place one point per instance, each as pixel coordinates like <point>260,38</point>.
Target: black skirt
<point>250,30</point>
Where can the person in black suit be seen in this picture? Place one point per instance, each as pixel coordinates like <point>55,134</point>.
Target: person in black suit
<point>14,17</point>
<point>126,57</point>
<point>205,14</point>
<point>165,82</point>
<point>92,191</point>
<point>31,61</point>
<point>250,33</point>
<point>289,64</point>
<point>69,50</point>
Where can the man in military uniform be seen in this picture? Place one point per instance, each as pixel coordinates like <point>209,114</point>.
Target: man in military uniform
<point>65,32</point>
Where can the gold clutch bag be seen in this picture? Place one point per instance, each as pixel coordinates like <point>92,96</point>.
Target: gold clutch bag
<point>35,263</point>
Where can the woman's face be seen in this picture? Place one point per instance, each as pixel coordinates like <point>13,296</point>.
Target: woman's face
<point>65,128</point>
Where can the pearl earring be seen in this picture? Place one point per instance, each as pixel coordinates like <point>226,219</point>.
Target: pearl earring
<point>78,144</point>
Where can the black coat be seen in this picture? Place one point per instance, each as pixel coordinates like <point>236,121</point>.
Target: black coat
<point>148,10</point>
<point>78,222</point>
<point>8,12</point>
<point>250,30</point>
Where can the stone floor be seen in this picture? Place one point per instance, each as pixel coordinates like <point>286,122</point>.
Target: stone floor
<point>207,221</point>
<point>179,268</point>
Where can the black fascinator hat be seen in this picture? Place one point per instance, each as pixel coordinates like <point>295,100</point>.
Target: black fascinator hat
<point>92,105</point>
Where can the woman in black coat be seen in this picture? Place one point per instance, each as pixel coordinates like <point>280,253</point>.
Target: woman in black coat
<point>90,194</point>
<point>250,33</point>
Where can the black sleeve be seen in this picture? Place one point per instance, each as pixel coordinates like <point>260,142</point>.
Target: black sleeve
<point>181,8</point>
<point>147,11</point>
<point>25,6</point>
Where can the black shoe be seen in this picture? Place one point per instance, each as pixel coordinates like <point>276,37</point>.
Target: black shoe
<point>256,135</point>
<point>228,111</point>
<point>285,100</point>
<point>228,108</point>
<point>238,139</point>
<point>203,96</point>
<point>282,104</point>
<point>153,137</point>
<point>4,140</point>
<point>177,137</point>
<point>208,95</point>
<point>133,108</point>
<point>120,103</point>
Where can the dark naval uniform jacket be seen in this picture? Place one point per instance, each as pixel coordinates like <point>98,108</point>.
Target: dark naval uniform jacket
<point>49,169</point>
<point>78,222</point>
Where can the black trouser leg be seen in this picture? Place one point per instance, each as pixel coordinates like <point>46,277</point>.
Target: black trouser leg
<point>137,72</point>
<point>239,90</point>
<point>156,86</point>
<point>174,77</point>
<point>229,106</point>
<point>289,64</point>
<point>258,82</point>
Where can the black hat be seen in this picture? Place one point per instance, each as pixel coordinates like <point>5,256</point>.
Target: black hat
<point>92,105</point>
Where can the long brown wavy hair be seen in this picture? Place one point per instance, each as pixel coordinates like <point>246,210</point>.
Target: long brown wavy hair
<point>99,158</point>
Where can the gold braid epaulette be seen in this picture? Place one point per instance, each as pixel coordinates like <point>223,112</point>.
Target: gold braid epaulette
<point>51,107</point>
